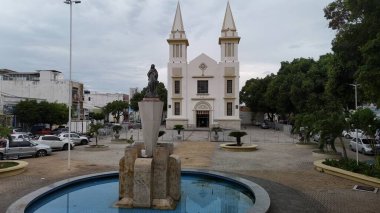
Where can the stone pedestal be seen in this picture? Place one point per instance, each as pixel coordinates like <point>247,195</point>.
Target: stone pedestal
<point>151,113</point>
<point>143,182</point>
<point>154,180</point>
<point>149,182</point>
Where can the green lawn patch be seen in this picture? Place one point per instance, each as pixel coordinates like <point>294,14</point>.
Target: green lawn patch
<point>4,165</point>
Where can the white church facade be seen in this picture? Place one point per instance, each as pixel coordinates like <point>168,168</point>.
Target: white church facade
<point>203,93</point>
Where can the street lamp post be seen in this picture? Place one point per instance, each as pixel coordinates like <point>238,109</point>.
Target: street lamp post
<point>70,2</point>
<point>356,128</point>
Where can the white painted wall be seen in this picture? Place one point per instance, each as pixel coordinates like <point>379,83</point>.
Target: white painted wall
<point>96,100</point>
<point>45,89</point>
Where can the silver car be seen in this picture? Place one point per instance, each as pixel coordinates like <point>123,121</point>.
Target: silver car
<point>364,145</point>
<point>75,138</point>
<point>20,137</point>
<point>22,149</point>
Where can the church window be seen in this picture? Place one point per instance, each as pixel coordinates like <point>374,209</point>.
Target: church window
<point>202,86</point>
<point>177,108</point>
<point>177,87</point>
<point>229,108</point>
<point>180,51</point>
<point>229,86</point>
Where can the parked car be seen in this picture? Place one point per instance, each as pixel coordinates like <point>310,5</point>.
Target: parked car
<point>20,137</point>
<point>264,125</point>
<point>352,133</point>
<point>136,125</point>
<point>256,123</point>
<point>316,137</point>
<point>59,130</point>
<point>40,130</point>
<point>364,145</point>
<point>16,130</point>
<point>54,142</point>
<point>74,137</point>
<point>22,149</point>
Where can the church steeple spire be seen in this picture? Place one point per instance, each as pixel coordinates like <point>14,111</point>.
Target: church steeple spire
<point>229,38</point>
<point>177,39</point>
<point>178,24</point>
<point>228,23</point>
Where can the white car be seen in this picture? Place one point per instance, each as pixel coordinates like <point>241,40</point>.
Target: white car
<point>20,137</point>
<point>54,142</point>
<point>352,133</point>
<point>364,145</point>
<point>77,139</point>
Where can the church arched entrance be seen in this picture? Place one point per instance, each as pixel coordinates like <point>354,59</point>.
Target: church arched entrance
<point>202,114</point>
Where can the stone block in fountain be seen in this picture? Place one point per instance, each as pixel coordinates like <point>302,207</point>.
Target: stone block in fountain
<point>149,172</point>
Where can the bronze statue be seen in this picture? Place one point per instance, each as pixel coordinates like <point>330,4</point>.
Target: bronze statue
<point>151,91</point>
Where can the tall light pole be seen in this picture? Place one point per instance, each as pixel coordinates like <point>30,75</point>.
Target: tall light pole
<point>70,2</point>
<point>356,128</point>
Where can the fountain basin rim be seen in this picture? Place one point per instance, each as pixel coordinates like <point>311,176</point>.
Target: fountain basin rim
<point>262,199</point>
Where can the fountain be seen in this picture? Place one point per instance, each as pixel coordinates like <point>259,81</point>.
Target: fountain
<point>149,179</point>
<point>149,174</point>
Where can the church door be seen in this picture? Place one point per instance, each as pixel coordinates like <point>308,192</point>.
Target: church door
<point>203,118</point>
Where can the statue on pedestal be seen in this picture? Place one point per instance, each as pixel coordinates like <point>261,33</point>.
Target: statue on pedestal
<point>152,83</point>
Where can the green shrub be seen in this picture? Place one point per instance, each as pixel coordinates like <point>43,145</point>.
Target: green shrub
<point>237,135</point>
<point>179,128</point>
<point>117,128</point>
<point>216,130</point>
<point>352,166</point>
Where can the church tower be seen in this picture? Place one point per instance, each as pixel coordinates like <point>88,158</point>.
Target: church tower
<point>229,39</point>
<point>229,62</point>
<point>178,42</point>
<point>177,73</point>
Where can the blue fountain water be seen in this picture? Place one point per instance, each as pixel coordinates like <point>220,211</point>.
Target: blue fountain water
<point>199,194</point>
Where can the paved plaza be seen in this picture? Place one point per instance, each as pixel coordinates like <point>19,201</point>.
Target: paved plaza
<point>283,169</point>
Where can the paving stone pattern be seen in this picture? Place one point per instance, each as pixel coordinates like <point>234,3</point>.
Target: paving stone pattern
<point>284,170</point>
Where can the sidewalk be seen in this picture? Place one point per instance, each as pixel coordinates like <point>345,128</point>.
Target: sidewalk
<point>283,169</point>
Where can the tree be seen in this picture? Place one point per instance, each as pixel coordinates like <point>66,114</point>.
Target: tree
<point>52,113</point>
<point>97,115</point>
<point>116,108</point>
<point>139,96</point>
<point>356,48</point>
<point>298,87</point>
<point>30,112</point>
<point>135,100</point>
<point>5,132</point>
<point>366,120</point>
<point>253,94</point>
<point>94,131</point>
<point>27,112</point>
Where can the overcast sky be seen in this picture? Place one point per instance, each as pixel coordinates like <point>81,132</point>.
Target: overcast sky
<point>115,41</point>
